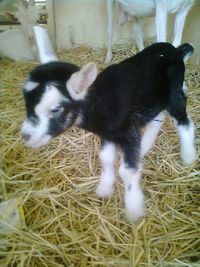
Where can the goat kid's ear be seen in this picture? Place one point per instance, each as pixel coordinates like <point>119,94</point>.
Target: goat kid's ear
<point>79,83</point>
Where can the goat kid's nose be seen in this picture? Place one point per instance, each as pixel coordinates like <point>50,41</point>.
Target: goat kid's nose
<point>26,137</point>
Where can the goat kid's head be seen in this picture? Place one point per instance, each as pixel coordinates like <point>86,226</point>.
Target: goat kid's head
<point>53,105</point>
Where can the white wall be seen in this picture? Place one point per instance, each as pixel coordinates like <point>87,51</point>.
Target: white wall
<point>84,22</point>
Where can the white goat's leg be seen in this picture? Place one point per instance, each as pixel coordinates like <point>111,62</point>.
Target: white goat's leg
<point>151,132</point>
<point>179,24</point>
<point>44,45</point>
<point>186,135</point>
<point>137,29</point>
<point>107,180</point>
<point>109,30</point>
<point>161,21</point>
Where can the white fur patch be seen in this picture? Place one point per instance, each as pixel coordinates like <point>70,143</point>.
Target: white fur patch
<point>107,180</point>
<point>30,85</point>
<point>50,99</point>
<point>134,198</point>
<point>185,88</point>
<point>188,150</point>
<point>151,132</point>
<point>38,136</point>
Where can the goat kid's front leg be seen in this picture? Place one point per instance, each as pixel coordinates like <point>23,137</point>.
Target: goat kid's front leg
<point>130,172</point>
<point>107,156</point>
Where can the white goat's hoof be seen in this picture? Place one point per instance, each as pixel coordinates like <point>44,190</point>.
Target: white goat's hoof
<point>104,190</point>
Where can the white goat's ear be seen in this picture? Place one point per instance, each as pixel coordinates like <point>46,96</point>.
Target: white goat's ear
<point>81,80</point>
<point>46,52</point>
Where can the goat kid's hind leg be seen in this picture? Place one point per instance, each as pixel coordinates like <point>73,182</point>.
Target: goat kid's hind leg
<point>185,131</point>
<point>184,126</point>
<point>107,156</point>
<point>130,172</point>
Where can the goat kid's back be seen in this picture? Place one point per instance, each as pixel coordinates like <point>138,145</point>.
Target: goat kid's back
<point>137,89</point>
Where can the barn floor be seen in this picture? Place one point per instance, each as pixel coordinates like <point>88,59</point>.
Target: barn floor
<point>66,224</point>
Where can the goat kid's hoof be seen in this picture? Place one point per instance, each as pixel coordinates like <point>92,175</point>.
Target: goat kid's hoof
<point>189,157</point>
<point>103,190</point>
<point>134,215</point>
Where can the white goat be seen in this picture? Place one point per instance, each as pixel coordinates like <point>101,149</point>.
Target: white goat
<point>19,43</point>
<point>147,8</point>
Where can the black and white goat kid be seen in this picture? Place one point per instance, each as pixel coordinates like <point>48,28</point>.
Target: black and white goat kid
<point>115,104</point>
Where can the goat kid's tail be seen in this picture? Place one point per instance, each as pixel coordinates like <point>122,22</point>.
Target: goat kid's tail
<point>185,51</point>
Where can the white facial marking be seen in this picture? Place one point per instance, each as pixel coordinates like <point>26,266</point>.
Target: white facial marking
<point>107,180</point>
<point>39,132</point>
<point>51,98</point>
<point>30,85</point>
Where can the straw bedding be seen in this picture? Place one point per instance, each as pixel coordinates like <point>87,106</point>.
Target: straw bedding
<point>66,223</point>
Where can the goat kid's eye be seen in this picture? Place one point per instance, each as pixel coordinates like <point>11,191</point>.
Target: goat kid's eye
<point>57,110</point>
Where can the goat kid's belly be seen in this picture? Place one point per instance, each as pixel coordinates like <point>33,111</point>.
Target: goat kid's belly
<point>116,131</point>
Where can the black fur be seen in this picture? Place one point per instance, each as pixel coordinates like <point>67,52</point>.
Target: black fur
<point>128,95</point>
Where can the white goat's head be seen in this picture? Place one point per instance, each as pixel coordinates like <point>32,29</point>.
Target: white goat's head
<point>27,15</point>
